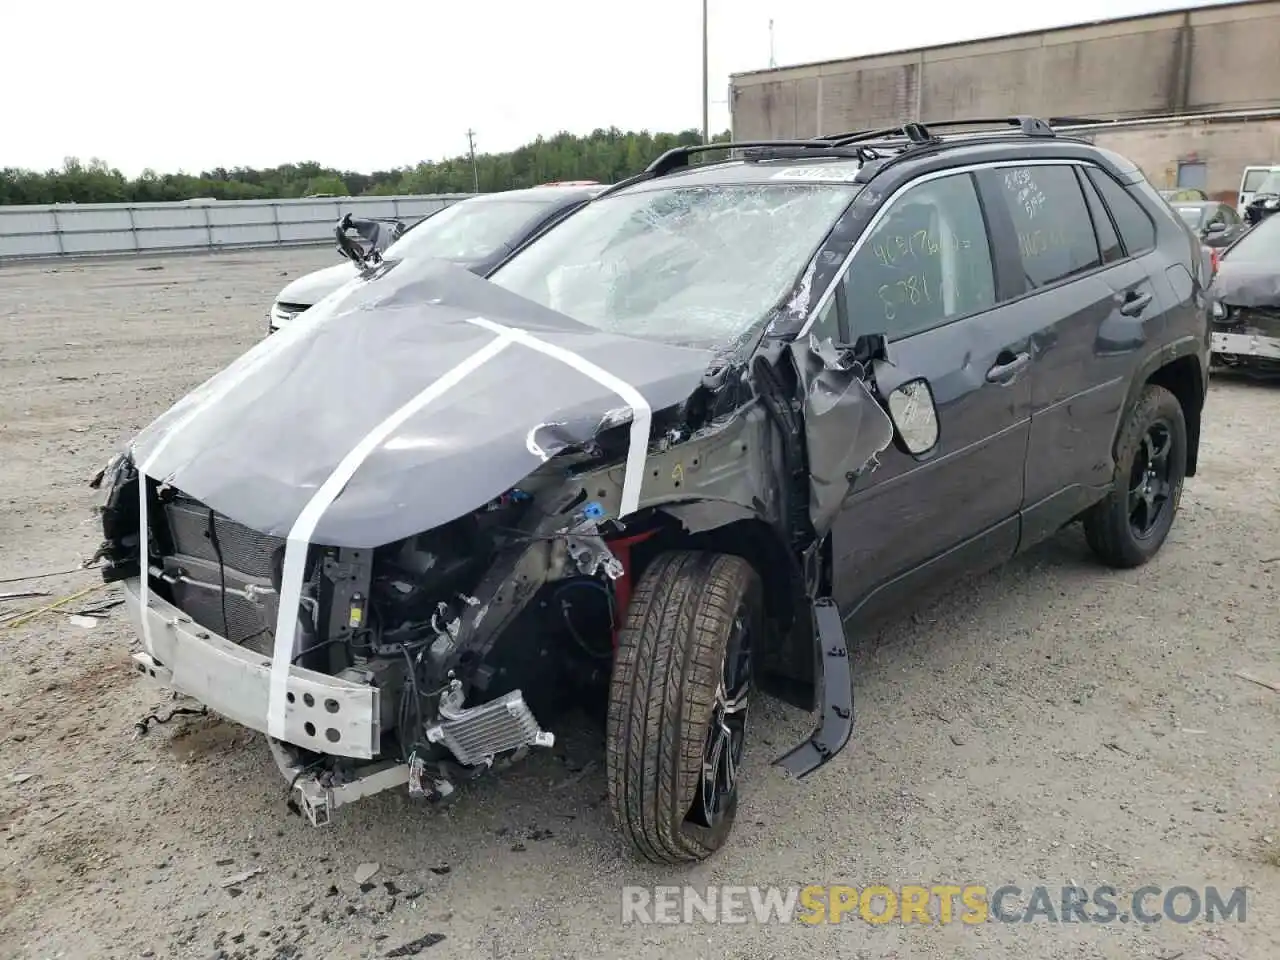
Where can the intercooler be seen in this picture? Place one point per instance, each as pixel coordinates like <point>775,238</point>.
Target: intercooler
<point>245,611</point>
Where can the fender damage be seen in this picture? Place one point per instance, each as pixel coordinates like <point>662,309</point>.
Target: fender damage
<point>373,519</point>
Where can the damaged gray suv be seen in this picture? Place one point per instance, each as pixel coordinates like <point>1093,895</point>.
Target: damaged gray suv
<point>669,456</point>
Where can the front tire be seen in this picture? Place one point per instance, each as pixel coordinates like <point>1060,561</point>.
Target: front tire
<point>1128,528</point>
<point>677,703</point>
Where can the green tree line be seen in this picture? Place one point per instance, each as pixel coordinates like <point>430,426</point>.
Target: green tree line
<point>604,155</point>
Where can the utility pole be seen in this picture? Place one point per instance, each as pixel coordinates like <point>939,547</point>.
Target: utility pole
<point>706,109</point>
<point>471,147</point>
<point>772,62</point>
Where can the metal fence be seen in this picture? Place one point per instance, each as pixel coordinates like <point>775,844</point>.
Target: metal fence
<point>80,230</point>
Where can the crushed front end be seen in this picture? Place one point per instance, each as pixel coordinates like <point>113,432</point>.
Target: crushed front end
<point>408,657</point>
<point>1247,336</point>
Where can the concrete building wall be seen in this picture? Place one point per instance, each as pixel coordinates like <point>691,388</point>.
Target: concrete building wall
<point>1225,149</point>
<point>1201,60</point>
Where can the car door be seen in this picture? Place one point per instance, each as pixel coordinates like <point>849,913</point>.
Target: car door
<point>1090,307</point>
<point>922,275</point>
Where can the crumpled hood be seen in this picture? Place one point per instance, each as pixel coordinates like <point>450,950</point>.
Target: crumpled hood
<point>1246,284</point>
<point>311,288</point>
<point>383,365</point>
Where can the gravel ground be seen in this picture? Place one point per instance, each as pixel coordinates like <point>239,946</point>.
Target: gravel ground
<point>1051,723</point>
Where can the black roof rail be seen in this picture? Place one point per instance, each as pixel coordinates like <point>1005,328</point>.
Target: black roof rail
<point>919,133</point>
<point>864,154</point>
<point>1074,121</point>
<point>678,157</point>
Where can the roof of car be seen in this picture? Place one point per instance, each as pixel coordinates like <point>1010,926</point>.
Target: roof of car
<point>832,170</point>
<point>539,194</point>
<point>859,157</point>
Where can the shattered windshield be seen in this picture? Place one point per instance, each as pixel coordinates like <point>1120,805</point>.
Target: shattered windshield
<point>1260,245</point>
<point>690,265</point>
<point>469,230</point>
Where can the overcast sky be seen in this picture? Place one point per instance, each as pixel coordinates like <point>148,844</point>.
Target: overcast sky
<point>371,85</point>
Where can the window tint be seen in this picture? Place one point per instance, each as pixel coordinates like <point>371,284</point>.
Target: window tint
<point>1055,234</point>
<point>1108,241</point>
<point>1136,229</point>
<point>926,261</point>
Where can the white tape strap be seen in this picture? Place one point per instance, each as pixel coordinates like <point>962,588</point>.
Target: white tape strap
<point>299,540</point>
<point>641,414</point>
<point>144,470</point>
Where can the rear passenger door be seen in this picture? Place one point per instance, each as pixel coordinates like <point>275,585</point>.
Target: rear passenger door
<point>923,276</point>
<point>1091,306</point>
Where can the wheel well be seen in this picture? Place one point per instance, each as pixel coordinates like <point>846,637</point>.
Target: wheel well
<point>757,543</point>
<point>1184,378</point>
<point>787,664</point>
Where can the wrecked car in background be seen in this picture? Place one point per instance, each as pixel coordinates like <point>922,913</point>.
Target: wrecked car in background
<point>1246,301</point>
<point>477,233</point>
<point>1265,201</point>
<point>665,453</point>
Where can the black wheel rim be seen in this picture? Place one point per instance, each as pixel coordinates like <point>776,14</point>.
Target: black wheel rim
<point>726,733</point>
<point>1151,480</point>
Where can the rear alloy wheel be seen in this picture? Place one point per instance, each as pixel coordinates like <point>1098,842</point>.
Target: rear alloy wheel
<point>682,681</point>
<point>1128,528</point>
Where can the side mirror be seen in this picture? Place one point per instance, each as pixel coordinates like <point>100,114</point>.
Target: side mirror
<point>1217,226</point>
<point>915,416</point>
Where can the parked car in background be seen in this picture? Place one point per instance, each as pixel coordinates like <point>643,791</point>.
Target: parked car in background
<point>1246,301</point>
<point>1184,195</point>
<point>1250,180</point>
<point>476,233</point>
<point>669,451</point>
<point>1216,224</point>
<point>1266,200</point>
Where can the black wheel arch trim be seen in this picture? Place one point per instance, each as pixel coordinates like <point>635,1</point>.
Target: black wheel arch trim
<point>1169,353</point>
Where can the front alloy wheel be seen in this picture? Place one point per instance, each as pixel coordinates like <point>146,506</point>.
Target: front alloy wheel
<point>682,678</point>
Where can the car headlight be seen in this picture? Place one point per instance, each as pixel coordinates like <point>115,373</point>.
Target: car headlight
<point>1218,310</point>
<point>283,313</point>
<point>1271,203</point>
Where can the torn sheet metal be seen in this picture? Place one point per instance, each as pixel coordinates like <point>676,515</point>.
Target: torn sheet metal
<point>845,427</point>
<point>258,441</point>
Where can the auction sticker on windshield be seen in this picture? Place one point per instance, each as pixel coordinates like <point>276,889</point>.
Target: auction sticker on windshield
<point>828,173</point>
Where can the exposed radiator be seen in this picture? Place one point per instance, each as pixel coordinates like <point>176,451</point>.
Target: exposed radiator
<point>246,613</point>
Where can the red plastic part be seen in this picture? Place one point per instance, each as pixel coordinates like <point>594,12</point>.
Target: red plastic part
<point>622,586</point>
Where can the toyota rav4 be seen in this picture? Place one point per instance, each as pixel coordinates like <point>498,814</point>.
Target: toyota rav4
<point>675,451</point>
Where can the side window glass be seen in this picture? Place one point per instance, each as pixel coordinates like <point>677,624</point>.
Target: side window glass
<point>1108,241</point>
<point>927,261</point>
<point>1055,234</point>
<point>1136,229</point>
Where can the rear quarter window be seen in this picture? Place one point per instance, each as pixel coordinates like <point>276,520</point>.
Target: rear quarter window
<point>1137,229</point>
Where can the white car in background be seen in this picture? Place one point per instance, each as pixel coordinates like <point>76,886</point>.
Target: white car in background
<point>478,233</point>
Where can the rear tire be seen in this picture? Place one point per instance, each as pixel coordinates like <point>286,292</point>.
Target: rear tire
<point>1128,528</point>
<point>677,703</point>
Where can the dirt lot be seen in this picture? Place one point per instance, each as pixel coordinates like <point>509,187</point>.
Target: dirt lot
<point>1049,724</point>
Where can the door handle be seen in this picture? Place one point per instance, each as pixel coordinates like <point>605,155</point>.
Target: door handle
<point>1006,369</point>
<point>1135,303</point>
